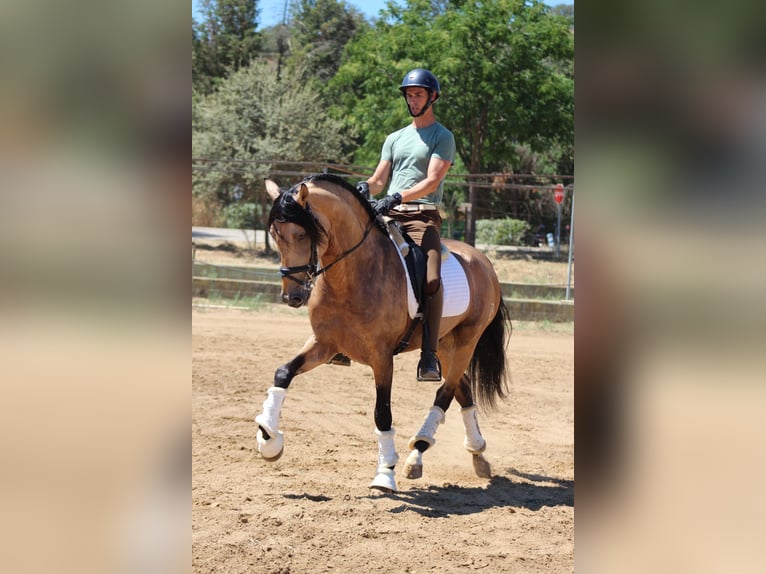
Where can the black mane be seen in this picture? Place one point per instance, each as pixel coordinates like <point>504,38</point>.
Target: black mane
<point>286,209</point>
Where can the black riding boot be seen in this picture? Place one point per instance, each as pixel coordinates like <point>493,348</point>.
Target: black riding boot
<point>429,368</point>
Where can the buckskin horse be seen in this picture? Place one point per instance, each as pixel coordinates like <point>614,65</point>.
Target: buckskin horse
<point>338,259</point>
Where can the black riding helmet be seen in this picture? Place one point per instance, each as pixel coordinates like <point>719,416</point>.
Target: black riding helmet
<point>420,78</point>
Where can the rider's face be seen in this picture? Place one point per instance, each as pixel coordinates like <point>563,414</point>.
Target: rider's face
<point>416,98</point>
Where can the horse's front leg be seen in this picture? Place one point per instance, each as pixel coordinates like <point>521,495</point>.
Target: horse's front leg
<point>385,479</point>
<point>270,439</point>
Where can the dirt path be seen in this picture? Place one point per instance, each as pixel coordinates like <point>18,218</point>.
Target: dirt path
<point>312,511</point>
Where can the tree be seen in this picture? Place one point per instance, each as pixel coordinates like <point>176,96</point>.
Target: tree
<point>320,31</point>
<point>365,95</point>
<point>205,70</point>
<point>506,67</point>
<point>565,10</point>
<point>225,41</point>
<point>506,72</point>
<point>251,119</point>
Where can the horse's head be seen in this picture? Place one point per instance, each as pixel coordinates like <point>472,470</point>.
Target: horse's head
<point>298,235</point>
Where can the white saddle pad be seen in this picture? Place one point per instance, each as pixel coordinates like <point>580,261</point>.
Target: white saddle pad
<point>455,285</point>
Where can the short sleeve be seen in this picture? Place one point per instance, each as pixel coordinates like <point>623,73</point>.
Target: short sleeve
<point>445,147</point>
<point>388,149</point>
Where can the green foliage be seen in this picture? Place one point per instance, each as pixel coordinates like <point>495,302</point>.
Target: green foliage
<point>505,67</point>
<point>320,30</point>
<point>252,118</point>
<point>324,87</point>
<point>241,215</point>
<point>501,231</point>
<point>364,96</point>
<point>564,10</point>
<point>225,41</point>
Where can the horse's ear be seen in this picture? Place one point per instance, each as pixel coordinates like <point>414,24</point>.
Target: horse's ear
<point>303,195</point>
<point>272,189</point>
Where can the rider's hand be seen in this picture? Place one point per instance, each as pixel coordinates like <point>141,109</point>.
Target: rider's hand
<point>384,205</point>
<point>364,189</point>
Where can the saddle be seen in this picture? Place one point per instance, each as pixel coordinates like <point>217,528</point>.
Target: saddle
<point>415,260</point>
<point>454,280</point>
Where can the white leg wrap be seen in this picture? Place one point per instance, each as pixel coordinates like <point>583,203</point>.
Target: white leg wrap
<point>387,459</point>
<point>473,442</point>
<point>269,418</point>
<point>433,419</point>
<point>271,449</point>
<point>386,448</point>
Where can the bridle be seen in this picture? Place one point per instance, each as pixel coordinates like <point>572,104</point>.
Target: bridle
<point>312,270</point>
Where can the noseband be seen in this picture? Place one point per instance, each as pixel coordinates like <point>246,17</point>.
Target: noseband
<point>310,269</point>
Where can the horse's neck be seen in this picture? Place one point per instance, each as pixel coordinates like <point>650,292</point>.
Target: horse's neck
<point>362,277</point>
<point>348,246</point>
<point>370,254</point>
<point>347,221</point>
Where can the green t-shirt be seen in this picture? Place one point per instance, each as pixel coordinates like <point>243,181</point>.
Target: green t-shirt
<point>410,149</point>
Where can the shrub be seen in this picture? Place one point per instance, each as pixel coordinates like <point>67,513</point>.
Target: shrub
<point>240,215</point>
<point>501,231</point>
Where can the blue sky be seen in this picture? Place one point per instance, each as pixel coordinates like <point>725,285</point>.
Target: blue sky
<point>272,10</point>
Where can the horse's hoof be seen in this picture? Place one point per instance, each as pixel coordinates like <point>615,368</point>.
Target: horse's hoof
<point>481,466</point>
<point>413,471</point>
<point>272,449</point>
<point>413,467</point>
<point>384,481</point>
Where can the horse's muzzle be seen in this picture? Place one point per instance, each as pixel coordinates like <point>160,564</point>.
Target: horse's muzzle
<point>296,297</point>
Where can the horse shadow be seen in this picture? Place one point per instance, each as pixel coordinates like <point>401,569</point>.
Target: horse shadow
<point>532,493</point>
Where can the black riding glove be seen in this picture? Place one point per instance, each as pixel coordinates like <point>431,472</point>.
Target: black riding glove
<point>384,205</point>
<point>364,189</point>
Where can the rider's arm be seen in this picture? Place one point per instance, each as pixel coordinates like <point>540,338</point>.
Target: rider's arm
<point>437,170</point>
<point>379,179</point>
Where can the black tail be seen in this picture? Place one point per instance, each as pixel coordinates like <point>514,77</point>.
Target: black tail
<point>488,369</point>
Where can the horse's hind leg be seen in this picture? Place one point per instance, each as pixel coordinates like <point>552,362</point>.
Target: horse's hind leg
<point>422,441</point>
<point>473,442</point>
<point>425,437</point>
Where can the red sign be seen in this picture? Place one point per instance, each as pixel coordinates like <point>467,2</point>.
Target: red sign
<point>558,193</point>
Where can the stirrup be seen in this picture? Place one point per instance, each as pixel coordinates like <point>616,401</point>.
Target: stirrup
<point>340,359</point>
<point>429,368</point>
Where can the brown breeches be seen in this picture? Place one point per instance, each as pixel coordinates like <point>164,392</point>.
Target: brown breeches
<point>424,227</point>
